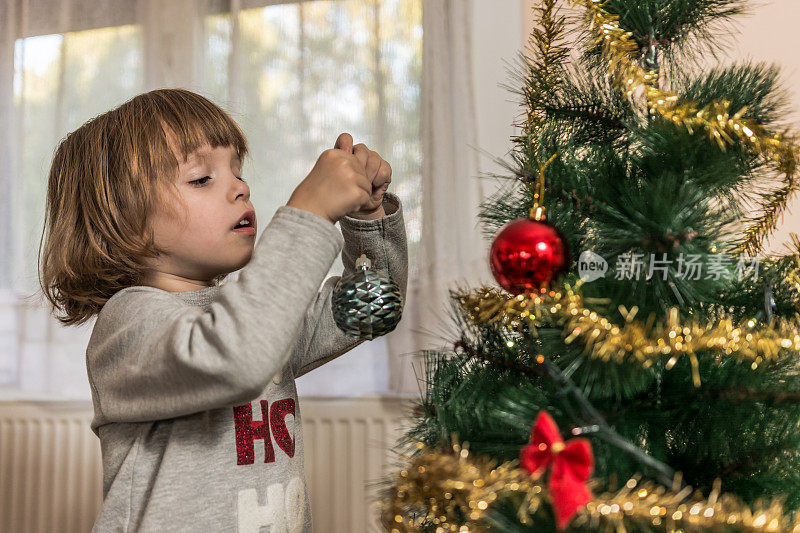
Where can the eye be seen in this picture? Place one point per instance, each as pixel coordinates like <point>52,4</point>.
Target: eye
<point>197,183</point>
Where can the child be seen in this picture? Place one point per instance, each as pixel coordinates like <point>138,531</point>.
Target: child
<point>192,380</point>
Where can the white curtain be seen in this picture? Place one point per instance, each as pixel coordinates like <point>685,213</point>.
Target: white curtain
<point>294,75</point>
<point>452,251</point>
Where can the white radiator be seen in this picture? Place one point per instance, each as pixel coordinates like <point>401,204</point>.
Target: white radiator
<point>51,472</point>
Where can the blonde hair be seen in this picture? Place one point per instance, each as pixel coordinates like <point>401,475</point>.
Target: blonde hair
<point>106,178</point>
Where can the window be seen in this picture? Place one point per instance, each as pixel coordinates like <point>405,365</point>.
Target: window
<point>293,75</point>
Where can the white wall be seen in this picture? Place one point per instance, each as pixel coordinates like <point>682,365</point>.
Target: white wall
<point>770,34</point>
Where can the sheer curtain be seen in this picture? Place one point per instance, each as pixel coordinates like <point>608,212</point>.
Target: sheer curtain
<point>294,75</point>
<point>451,249</point>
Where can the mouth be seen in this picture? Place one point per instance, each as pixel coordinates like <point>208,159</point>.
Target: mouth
<point>246,223</point>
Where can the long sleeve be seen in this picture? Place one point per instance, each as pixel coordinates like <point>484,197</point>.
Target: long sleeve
<point>151,356</point>
<point>383,240</point>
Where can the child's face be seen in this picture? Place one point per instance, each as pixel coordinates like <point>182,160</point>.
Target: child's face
<point>206,246</point>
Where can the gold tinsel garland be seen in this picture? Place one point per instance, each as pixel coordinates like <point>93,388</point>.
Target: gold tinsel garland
<point>716,119</point>
<point>645,343</point>
<point>454,491</point>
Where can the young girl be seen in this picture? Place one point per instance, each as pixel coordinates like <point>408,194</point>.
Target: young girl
<point>193,379</point>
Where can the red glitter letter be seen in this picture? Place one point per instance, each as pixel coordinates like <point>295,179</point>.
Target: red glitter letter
<point>247,430</point>
<point>277,420</point>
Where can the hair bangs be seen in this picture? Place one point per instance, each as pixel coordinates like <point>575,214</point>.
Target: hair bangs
<point>195,121</point>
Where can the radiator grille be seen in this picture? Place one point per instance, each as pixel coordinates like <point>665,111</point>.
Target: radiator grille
<point>51,473</point>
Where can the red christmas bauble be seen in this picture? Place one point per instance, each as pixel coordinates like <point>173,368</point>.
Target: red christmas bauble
<point>527,255</point>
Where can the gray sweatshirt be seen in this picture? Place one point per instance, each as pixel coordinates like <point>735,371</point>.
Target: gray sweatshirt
<point>194,397</point>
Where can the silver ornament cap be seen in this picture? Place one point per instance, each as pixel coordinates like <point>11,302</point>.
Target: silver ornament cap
<point>366,303</point>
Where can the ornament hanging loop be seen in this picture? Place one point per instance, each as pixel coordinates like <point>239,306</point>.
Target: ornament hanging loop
<point>538,210</point>
<point>363,262</point>
<point>537,213</point>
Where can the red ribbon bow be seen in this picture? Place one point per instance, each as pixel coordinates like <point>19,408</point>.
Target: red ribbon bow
<point>572,464</point>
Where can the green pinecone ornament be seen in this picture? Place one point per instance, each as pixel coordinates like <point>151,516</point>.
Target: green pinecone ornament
<point>366,304</point>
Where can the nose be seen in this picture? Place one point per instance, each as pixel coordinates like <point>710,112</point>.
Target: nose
<point>240,188</point>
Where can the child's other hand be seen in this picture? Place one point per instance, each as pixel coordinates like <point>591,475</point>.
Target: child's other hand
<point>378,171</point>
<point>336,186</point>
<point>340,183</point>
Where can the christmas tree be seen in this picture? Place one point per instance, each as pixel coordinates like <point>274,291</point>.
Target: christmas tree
<point>637,368</point>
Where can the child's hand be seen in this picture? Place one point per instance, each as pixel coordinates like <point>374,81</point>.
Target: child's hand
<point>378,171</point>
<point>336,186</point>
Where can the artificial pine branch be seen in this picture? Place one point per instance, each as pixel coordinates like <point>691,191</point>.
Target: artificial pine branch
<point>593,418</point>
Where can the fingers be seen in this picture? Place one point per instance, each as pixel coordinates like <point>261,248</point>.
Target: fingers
<point>369,159</point>
<point>362,154</point>
<point>382,180</point>
<point>362,180</point>
<point>377,170</point>
<point>384,175</point>
<point>345,142</point>
<point>374,175</point>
